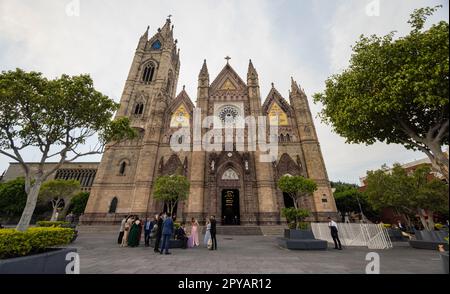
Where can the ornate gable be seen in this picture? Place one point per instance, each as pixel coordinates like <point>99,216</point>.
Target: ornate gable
<point>275,103</point>
<point>228,81</point>
<point>180,110</point>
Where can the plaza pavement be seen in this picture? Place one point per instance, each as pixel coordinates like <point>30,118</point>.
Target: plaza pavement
<point>100,254</point>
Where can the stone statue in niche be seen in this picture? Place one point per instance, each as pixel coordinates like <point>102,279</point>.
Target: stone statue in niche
<point>246,165</point>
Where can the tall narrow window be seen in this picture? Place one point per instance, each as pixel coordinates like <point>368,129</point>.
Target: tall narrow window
<point>123,167</point>
<point>169,83</point>
<point>147,76</point>
<point>288,138</point>
<point>113,205</point>
<point>139,108</point>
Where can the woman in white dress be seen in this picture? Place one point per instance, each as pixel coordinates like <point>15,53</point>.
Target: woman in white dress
<point>208,233</point>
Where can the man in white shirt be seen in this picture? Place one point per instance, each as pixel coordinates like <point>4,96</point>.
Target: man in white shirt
<point>334,233</point>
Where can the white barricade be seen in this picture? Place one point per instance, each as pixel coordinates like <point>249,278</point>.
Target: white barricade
<point>374,236</point>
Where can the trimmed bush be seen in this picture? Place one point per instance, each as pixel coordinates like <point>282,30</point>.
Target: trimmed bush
<point>52,224</point>
<point>14,243</point>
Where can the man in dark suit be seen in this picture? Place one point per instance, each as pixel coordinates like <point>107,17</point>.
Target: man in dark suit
<point>334,233</point>
<point>148,226</point>
<point>213,232</point>
<point>158,236</point>
<point>167,232</point>
<point>180,234</point>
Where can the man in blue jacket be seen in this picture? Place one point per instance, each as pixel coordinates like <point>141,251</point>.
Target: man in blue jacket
<point>167,232</point>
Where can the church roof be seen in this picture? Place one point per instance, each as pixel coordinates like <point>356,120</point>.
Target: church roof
<point>275,96</point>
<point>182,97</point>
<point>228,74</point>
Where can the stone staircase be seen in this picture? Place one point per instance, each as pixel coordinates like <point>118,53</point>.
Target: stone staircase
<point>221,230</point>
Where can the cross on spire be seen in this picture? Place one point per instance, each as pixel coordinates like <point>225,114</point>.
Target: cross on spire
<point>169,16</point>
<point>228,58</point>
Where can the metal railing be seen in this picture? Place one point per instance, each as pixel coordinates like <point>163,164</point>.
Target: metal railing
<point>372,236</point>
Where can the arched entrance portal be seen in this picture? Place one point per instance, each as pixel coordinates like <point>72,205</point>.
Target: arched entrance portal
<point>230,207</point>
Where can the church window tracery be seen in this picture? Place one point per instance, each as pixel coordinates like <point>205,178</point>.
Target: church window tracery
<point>148,73</point>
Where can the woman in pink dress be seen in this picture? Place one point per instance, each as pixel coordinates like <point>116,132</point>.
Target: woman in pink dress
<point>194,233</point>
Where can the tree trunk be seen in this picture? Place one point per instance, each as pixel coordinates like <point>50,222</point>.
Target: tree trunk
<point>423,220</point>
<point>430,220</point>
<point>439,160</point>
<point>55,210</point>
<point>30,205</point>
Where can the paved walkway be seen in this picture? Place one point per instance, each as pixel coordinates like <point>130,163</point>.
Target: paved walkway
<point>99,253</point>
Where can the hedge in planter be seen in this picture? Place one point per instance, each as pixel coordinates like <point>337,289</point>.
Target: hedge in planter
<point>52,224</point>
<point>14,243</point>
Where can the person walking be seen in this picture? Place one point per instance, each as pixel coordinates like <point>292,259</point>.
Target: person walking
<point>122,229</point>
<point>148,226</point>
<point>167,232</point>
<point>213,232</point>
<point>334,233</point>
<point>158,232</point>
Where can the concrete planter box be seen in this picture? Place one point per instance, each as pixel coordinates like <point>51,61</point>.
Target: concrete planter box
<point>298,234</point>
<point>301,240</point>
<point>444,260</point>
<point>51,262</point>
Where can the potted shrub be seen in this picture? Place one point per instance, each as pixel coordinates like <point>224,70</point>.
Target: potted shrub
<point>36,250</point>
<point>296,224</point>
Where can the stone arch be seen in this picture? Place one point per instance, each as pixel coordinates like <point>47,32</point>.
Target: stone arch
<point>113,205</point>
<point>287,166</point>
<point>172,165</point>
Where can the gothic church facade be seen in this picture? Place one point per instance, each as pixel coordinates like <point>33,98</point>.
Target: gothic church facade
<point>235,186</point>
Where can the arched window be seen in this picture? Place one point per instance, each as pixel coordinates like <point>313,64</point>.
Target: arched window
<point>288,138</point>
<point>123,167</point>
<point>113,205</point>
<point>180,139</point>
<point>139,108</point>
<point>281,138</point>
<point>149,70</point>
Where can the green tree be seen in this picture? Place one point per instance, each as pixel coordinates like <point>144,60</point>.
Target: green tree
<point>171,190</point>
<point>295,217</point>
<point>413,194</point>
<point>58,193</point>
<point>54,117</point>
<point>297,187</point>
<point>396,90</point>
<point>12,198</point>
<point>79,202</point>
<point>350,200</point>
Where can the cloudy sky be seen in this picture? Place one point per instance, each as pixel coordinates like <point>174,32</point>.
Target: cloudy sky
<point>306,39</point>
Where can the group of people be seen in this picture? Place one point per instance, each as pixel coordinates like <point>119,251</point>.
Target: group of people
<point>161,229</point>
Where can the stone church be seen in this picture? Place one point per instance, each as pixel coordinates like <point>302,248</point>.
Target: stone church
<point>234,186</point>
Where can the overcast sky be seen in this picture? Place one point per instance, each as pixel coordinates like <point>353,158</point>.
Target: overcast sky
<point>309,40</point>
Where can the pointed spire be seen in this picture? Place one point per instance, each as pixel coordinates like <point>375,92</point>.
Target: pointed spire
<point>294,86</point>
<point>252,74</point>
<point>204,70</point>
<point>143,39</point>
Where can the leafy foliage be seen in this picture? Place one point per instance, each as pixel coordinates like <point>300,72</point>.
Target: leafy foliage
<point>78,203</point>
<point>51,224</point>
<point>171,189</point>
<point>15,243</point>
<point>55,117</point>
<point>395,91</point>
<point>296,187</point>
<point>408,194</point>
<point>295,217</point>
<point>12,197</point>
<point>349,198</point>
<point>58,192</point>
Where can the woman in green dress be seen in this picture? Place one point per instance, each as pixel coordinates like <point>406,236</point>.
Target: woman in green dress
<point>133,238</point>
